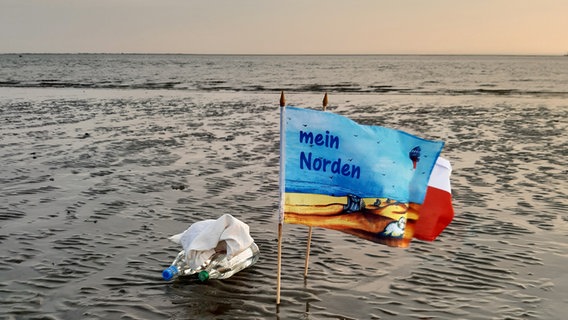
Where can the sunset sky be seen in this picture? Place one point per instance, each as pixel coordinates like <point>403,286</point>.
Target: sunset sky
<point>287,26</point>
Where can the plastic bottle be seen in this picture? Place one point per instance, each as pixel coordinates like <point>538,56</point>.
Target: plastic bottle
<point>179,267</point>
<point>222,268</point>
<point>216,267</point>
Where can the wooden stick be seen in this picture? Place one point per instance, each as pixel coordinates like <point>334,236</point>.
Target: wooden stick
<point>280,209</point>
<point>306,264</point>
<point>308,252</point>
<point>279,263</point>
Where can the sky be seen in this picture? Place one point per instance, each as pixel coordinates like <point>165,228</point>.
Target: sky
<point>285,26</point>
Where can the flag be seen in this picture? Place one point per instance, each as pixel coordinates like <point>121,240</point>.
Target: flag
<point>363,180</point>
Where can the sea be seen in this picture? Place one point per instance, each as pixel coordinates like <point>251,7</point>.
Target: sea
<point>105,156</point>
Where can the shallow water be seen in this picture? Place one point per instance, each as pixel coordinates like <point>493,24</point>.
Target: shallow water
<point>542,76</point>
<point>93,181</point>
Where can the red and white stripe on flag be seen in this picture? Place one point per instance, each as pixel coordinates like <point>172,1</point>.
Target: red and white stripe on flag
<point>436,211</point>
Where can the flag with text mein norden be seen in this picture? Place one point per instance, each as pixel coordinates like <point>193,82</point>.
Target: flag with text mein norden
<point>369,181</point>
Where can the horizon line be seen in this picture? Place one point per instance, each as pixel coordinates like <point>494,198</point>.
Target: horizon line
<point>289,54</point>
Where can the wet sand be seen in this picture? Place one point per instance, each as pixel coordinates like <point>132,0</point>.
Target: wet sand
<point>92,183</point>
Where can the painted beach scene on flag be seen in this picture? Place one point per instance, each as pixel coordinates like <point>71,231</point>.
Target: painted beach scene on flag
<point>103,157</point>
<point>359,179</point>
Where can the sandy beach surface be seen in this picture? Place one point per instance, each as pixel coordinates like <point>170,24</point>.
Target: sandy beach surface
<point>94,181</point>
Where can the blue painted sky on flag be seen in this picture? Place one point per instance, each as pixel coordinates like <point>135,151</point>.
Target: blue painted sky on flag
<point>330,154</point>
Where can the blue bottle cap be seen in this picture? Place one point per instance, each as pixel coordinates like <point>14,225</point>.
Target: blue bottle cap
<point>169,273</point>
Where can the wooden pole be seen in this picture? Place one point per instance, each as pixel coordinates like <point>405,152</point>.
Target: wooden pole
<point>279,263</point>
<point>307,262</point>
<point>308,252</point>
<point>281,207</point>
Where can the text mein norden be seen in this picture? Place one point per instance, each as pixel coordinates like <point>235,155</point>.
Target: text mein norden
<point>314,163</point>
